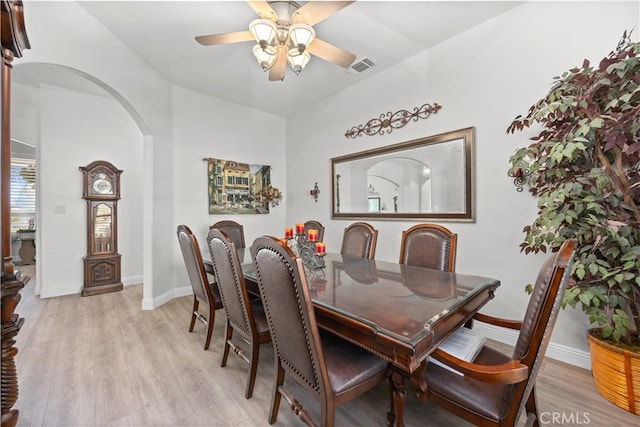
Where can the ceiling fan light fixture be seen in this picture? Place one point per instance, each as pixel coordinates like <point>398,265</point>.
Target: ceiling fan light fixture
<point>301,36</point>
<point>265,54</point>
<point>263,30</point>
<point>297,60</point>
<point>284,35</point>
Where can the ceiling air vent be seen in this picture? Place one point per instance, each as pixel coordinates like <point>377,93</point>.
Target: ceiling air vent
<point>360,65</point>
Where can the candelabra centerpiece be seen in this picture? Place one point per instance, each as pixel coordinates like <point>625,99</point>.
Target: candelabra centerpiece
<point>306,246</point>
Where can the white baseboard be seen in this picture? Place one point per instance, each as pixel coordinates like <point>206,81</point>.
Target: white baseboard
<point>153,303</point>
<point>60,291</point>
<point>555,351</point>
<point>76,289</point>
<point>133,280</point>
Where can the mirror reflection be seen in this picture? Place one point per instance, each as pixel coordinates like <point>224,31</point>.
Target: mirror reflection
<point>426,178</point>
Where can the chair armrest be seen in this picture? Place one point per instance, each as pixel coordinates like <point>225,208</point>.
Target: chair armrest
<point>510,372</point>
<point>505,323</point>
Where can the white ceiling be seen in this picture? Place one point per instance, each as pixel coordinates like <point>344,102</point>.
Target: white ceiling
<point>386,32</point>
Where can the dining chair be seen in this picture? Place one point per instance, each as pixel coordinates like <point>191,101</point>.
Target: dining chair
<point>359,240</point>
<point>203,291</point>
<point>232,229</point>
<point>331,369</point>
<point>244,316</point>
<point>430,246</point>
<point>495,387</point>
<point>314,225</point>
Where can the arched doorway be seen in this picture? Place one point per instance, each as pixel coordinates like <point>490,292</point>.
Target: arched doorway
<point>84,119</point>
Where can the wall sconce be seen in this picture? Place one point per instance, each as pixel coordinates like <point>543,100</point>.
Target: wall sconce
<point>314,193</point>
<point>520,177</point>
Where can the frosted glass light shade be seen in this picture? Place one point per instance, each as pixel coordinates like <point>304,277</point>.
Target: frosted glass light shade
<point>266,56</point>
<point>263,30</point>
<point>301,35</point>
<point>297,60</point>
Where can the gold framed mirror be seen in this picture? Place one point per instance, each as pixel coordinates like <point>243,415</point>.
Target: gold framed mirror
<point>430,178</point>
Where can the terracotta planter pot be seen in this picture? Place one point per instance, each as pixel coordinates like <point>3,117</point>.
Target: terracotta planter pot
<point>616,373</point>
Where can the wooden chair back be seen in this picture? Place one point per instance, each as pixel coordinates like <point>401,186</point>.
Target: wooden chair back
<point>243,317</point>
<point>430,246</point>
<point>285,296</point>
<point>540,318</point>
<point>203,291</point>
<point>233,229</point>
<point>359,240</point>
<point>299,348</point>
<point>193,262</point>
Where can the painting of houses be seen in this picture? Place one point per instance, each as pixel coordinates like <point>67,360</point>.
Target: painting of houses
<point>236,188</point>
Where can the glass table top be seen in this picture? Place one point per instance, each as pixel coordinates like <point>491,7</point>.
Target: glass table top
<point>400,301</point>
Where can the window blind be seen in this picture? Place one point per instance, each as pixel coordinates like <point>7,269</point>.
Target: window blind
<point>23,193</point>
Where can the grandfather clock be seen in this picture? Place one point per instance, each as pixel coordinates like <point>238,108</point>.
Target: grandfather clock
<point>101,189</point>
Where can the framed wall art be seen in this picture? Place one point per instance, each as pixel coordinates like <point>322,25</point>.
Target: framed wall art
<point>237,188</point>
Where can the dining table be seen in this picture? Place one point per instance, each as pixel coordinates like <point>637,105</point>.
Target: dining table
<point>399,312</point>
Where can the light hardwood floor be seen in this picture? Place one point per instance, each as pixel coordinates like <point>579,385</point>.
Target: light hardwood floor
<point>102,361</point>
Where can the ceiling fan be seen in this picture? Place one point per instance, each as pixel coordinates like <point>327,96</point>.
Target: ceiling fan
<point>284,34</point>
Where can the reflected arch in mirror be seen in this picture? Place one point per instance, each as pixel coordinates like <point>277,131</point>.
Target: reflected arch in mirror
<point>427,178</point>
<point>399,184</point>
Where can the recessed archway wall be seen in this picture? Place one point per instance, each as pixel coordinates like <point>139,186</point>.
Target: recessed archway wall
<point>35,74</point>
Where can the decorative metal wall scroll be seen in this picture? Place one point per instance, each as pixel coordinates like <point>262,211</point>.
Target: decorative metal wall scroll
<point>521,177</point>
<point>389,121</point>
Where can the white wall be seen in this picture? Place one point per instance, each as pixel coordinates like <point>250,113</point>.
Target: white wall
<point>77,129</point>
<point>70,40</point>
<point>482,78</point>
<point>205,127</point>
<point>74,39</point>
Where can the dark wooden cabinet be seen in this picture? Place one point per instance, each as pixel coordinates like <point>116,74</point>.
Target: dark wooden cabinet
<point>101,189</point>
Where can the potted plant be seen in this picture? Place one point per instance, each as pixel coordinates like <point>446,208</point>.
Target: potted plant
<point>584,168</point>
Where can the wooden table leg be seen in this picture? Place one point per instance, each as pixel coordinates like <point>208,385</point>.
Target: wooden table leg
<point>395,414</point>
<point>418,381</point>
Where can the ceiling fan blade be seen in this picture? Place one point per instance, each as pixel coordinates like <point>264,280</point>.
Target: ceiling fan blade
<point>277,71</point>
<point>213,39</point>
<point>263,9</point>
<point>331,53</point>
<point>313,12</point>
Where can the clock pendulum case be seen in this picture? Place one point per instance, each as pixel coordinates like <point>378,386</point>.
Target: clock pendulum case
<point>101,190</point>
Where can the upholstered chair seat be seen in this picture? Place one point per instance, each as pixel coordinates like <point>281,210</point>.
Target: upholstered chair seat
<point>339,356</point>
<point>485,399</point>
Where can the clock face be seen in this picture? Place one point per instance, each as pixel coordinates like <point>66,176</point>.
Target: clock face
<point>101,184</point>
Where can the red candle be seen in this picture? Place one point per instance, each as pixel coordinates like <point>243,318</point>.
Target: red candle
<point>313,235</point>
<point>321,248</point>
<point>299,228</point>
<point>288,233</point>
